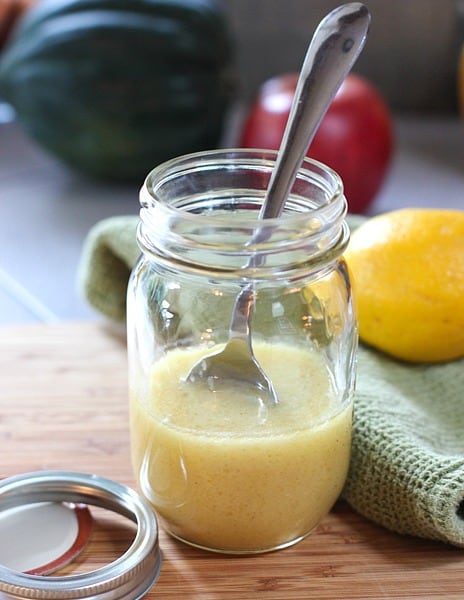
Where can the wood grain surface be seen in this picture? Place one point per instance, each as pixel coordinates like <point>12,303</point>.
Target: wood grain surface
<point>63,405</point>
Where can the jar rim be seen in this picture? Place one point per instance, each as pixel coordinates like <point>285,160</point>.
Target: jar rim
<point>187,203</point>
<point>238,156</point>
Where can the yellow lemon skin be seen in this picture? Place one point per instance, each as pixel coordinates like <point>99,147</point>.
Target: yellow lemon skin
<point>407,268</point>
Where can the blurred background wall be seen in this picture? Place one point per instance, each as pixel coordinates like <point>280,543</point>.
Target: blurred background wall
<point>411,53</point>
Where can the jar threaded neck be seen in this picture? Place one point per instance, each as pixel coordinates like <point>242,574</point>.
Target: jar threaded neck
<point>200,212</point>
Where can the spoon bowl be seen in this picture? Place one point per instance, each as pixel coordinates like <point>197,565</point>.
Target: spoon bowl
<point>236,361</point>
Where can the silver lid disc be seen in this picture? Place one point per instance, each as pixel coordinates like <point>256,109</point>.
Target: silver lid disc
<point>129,577</point>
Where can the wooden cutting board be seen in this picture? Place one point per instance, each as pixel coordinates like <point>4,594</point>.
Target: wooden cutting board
<point>63,405</point>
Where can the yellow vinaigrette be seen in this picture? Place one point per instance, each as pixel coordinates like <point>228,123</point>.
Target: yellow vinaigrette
<point>222,473</point>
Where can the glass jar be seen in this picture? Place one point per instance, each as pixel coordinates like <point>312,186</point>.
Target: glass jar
<point>226,470</point>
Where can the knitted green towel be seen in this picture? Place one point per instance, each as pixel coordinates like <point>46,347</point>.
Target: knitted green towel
<point>407,467</point>
<point>110,251</point>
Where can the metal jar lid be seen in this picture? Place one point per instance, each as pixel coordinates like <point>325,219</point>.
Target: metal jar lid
<point>129,577</point>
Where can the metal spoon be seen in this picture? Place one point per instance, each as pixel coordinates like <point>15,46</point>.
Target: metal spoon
<point>334,48</point>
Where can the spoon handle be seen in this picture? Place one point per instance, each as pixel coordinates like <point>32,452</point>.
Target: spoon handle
<point>334,48</point>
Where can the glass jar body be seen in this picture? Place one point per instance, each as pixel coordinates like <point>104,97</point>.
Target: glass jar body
<point>225,470</point>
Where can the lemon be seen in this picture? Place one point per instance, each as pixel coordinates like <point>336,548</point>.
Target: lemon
<point>407,268</point>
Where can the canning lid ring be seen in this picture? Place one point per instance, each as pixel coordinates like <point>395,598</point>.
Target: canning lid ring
<point>128,577</point>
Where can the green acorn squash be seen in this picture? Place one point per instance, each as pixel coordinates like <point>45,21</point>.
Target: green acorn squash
<point>113,87</point>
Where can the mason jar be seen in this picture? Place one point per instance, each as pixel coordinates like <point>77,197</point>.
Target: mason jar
<point>226,467</point>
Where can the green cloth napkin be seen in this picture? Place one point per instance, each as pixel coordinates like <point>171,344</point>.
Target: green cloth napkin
<point>109,252</point>
<point>407,467</point>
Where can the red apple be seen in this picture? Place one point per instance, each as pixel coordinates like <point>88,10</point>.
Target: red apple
<point>355,137</point>
<point>10,12</point>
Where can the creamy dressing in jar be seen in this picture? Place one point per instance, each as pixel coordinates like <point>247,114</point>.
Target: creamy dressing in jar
<point>224,475</point>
